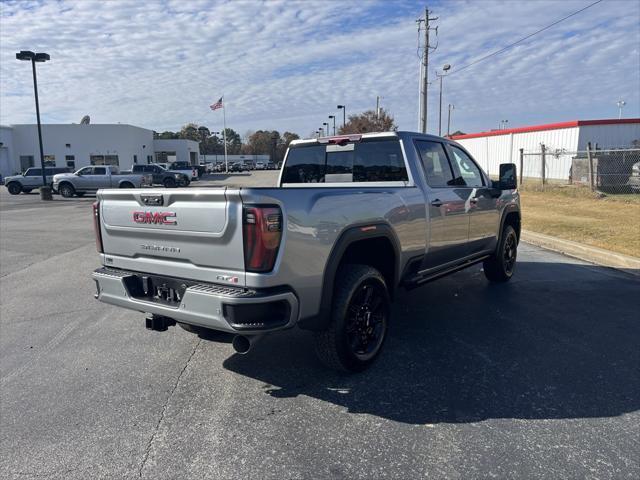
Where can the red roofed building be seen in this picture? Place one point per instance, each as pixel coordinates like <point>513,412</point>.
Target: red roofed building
<point>562,141</point>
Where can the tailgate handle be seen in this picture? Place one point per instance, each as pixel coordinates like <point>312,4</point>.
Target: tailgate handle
<point>152,200</point>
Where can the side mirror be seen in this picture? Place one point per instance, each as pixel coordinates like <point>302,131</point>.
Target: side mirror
<point>508,176</point>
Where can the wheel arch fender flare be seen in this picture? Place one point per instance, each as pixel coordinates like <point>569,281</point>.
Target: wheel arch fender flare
<point>351,235</point>
<point>508,210</point>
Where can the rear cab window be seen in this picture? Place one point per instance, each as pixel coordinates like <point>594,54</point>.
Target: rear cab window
<point>369,160</point>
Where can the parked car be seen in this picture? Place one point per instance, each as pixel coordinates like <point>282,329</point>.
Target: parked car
<point>185,168</point>
<point>91,179</point>
<point>30,179</point>
<point>162,176</point>
<point>260,166</point>
<point>236,167</point>
<point>380,212</point>
<point>271,166</point>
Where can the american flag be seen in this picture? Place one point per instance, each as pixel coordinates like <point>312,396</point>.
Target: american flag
<point>216,105</point>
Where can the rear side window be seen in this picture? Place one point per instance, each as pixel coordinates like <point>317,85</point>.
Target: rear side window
<point>435,163</point>
<point>305,165</point>
<point>378,160</point>
<point>99,171</point>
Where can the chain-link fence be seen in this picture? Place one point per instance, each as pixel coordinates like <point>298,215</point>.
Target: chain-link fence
<point>614,171</point>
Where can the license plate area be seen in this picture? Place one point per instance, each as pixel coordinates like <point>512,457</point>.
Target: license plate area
<point>164,290</point>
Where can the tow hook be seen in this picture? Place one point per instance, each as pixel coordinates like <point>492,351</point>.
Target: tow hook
<point>159,323</point>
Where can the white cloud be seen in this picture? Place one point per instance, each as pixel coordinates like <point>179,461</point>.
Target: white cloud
<point>286,65</point>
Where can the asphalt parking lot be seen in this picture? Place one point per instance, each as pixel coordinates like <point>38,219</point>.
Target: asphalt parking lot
<point>536,378</point>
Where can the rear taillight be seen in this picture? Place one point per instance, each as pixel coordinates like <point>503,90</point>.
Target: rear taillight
<point>262,231</point>
<point>96,226</point>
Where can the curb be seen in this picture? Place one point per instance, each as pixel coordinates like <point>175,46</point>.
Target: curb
<point>584,252</point>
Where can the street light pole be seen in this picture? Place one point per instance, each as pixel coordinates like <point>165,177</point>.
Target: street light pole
<point>334,123</point>
<point>344,114</point>
<point>326,125</point>
<point>443,74</point>
<point>451,107</point>
<point>25,55</point>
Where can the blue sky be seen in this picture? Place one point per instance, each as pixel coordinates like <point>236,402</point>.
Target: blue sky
<point>286,65</point>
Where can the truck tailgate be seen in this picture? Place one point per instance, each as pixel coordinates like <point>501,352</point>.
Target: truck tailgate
<point>186,233</point>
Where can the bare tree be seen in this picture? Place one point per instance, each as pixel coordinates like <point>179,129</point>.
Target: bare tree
<point>369,121</point>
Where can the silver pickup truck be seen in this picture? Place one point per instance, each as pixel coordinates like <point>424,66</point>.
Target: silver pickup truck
<point>353,219</point>
<point>30,179</point>
<point>92,179</point>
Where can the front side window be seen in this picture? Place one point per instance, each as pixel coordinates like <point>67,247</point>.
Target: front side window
<point>466,168</point>
<point>435,163</point>
<point>33,172</point>
<point>371,160</point>
<point>85,171</point>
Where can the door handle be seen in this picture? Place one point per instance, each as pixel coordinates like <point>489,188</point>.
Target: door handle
<point>436,203</point>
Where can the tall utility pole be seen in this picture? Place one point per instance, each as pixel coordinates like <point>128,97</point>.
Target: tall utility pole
<point>424,67</point>
<point>378,106</point>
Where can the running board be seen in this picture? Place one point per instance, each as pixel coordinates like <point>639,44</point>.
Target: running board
<point>419,280</point>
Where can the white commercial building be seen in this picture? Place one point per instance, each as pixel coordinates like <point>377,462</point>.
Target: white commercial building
<point>79,145</point>
<point>562,142</point>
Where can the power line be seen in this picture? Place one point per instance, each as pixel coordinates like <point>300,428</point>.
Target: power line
<point>497,52</point>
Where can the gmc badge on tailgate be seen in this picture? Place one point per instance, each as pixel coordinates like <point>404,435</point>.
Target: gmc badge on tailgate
<point>158,218</point>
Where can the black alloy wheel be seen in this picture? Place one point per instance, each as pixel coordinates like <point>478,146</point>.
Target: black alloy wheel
<point>366,320</point>
<point>501,265</point>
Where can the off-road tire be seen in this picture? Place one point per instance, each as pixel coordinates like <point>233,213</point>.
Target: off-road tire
<point>66,190</point>
<point>127,185</point>
<point>501,265</point>
<point>332,345</point>
<point>14,188</point>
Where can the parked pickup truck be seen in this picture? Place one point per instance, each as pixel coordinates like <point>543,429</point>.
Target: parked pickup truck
<point>91,179</point>
<point>162,176</point>
<point>353,219</point>
<point>185,168</point>
<point>30,179</point>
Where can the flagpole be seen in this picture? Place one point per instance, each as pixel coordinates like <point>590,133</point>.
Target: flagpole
<point>224,133</point>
